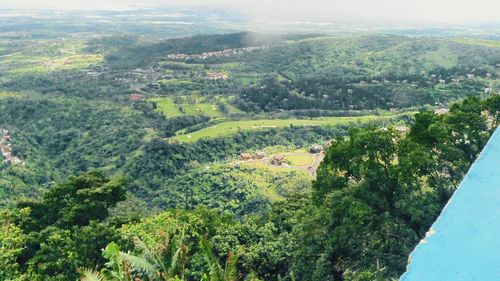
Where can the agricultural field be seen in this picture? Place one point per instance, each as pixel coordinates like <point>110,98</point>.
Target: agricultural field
<point>44,57</point>
<point>292,158</point>
<point>232,127</point>
<point>487,43</point>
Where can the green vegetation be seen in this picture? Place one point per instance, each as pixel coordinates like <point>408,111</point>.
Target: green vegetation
<point>167,107</point>
<point>239,189</point>
<point>159,184</point>
<point>232,127</point>
<point>300,160</point>
<point>49,57</point>
<point>194,106</point>
<point>443,57</point>
<point>391,185</point>
<point>175,82</point>
<point>202,109</point>
<point>487,43</point>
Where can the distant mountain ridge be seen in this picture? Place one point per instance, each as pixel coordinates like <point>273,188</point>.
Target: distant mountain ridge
<point>137,56</point>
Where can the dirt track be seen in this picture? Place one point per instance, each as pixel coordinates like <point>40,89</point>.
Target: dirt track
<point>310,169</point>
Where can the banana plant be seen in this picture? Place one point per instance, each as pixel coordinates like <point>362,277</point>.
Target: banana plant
<point>117,269</point>
<point>216,271</point>
<point>158,262</point>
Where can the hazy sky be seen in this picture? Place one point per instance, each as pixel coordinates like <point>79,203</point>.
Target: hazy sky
<point>363,11</point>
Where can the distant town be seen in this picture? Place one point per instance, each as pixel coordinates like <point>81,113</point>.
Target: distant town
<point>6,150</point>
<point>216,54</point>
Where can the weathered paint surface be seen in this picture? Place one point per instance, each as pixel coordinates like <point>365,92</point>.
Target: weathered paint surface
<point>464,242</point>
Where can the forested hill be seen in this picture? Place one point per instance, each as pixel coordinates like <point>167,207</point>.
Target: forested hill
<point>320,72</point>
<point>360,57</point>
<point>145,54</point>
<point>295,79</point>
<point>178,156</point>
<point>376,194</point>
<point>369,55</point>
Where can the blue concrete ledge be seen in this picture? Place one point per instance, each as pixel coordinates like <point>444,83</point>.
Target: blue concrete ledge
<point>464,242</point>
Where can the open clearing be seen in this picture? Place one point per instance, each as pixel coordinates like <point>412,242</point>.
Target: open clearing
<point>167,107</point>
<point>202,109</point>
<point>295,161</point>
<point>45,57</point>
<point>300,159</point>
<point>233,127</point>
<point>482,42</point>
<point>170,109</point>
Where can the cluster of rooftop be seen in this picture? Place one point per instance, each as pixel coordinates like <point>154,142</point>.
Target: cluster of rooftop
<point>6,149</point>
<point>216,54</point>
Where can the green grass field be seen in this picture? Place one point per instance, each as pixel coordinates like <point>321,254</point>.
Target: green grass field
<point>167,107</point>
<point>233,127</point>
<point>228,66</point>
<point>487,43</point>
<point>300,160</point>
<point>202,109</point>
<point>176,82</point>
<point>49,57</point>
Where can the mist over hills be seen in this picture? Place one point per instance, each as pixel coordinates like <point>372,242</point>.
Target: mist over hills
<point>217,143</point>
<point>180,22</point>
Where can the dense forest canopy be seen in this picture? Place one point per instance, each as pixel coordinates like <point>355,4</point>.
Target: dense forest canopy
<point>236,156</point>
<point>376,194</point>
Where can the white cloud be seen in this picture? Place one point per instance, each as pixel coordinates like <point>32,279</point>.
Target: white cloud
<point>424,11</point>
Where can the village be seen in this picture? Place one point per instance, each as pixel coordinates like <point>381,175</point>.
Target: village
<point>6,150</point>
<point>216,54</point>
<point>153,78</point>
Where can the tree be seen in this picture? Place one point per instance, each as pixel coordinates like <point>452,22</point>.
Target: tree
<point>162,261</point>
<point>216,272</point>
<point>63,229</point>
<point>12,241</point>
<point>378,191</point>
<point>76,202</point>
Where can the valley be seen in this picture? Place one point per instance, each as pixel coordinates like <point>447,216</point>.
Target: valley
<point>233,127</point>
<point>324,154</point>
